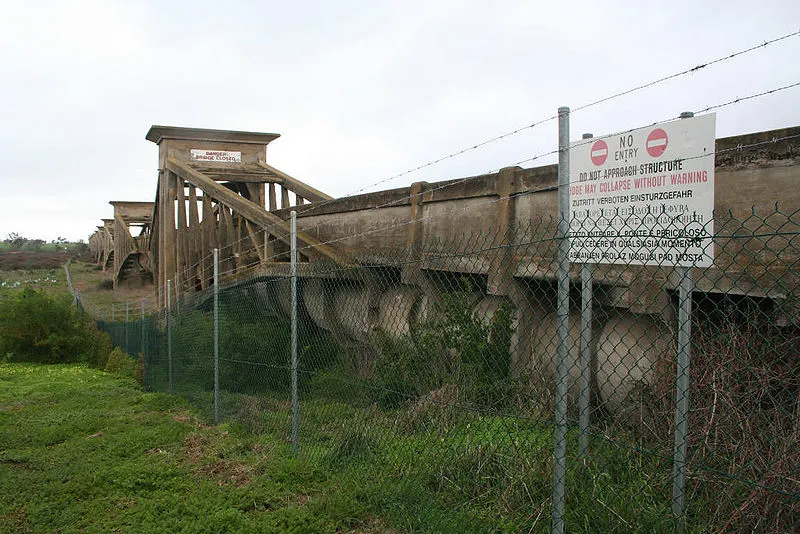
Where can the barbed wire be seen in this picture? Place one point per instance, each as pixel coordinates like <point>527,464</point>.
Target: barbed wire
<point>255,263</point>
<point>496,200</point>
<point>453,183</point>
<point>538,122</point>
<point>410,197</point>
<point>696,68</point>
<point>237,269</point>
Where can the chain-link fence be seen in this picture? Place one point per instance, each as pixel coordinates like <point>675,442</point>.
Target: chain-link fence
<point>437,369</point>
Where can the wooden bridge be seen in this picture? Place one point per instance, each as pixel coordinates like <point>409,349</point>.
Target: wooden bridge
<point>215,189</point>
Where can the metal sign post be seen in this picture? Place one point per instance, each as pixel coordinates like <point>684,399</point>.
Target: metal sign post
<point>562,353</point>
<point>685,290</point>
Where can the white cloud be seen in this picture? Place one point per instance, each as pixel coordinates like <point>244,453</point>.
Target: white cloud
<point>360,90</point>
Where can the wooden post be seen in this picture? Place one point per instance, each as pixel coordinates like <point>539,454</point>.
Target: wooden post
<point>194,236</point>
<point>181,243</point>
<point>273,201</point>
<point>284,197</point>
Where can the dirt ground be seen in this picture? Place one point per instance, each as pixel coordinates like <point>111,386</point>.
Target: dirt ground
<point>45,270</point>
<point>96,290</point>
<point>14,260</point>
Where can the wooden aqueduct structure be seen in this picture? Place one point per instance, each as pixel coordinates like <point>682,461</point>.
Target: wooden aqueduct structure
<point>215,189</point>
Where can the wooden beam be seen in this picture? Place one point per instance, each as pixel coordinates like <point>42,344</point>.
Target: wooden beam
<point>253,212</point>
<point>284,197</point>
<point>237,247</point>
<point>206,240</point>
<point>167,208</point>
<point>273,202</point>
<point>195,233</point>
<point>180,284</point>
<point>296,186</point>
<point>260,250</point>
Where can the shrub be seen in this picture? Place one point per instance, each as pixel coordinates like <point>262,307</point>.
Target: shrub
<point>745,419</point>
<point>38,327</point>
<point>121,363</point>
<point>454,348</point>
<point>99,346</point>
<point>106,285</point>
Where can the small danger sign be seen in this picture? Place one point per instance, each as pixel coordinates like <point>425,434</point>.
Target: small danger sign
<point>599,152</point>
<point>657,142</point>
<point>217,156</point>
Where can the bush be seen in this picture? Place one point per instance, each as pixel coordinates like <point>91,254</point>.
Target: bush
<point>121,363</point>
<point>41,328</point>
<point>99,346</point>
<point>454,348</point>
<point>745,419</point>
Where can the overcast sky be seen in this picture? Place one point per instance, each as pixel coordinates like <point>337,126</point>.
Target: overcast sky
<point>359,90</point>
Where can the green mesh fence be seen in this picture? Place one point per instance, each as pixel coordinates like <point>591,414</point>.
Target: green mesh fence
<point>435,370</point>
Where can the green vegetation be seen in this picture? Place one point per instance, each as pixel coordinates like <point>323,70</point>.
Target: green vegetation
<point>36,326</point>
<point>422,440</point>
<point>89,451</point>
<point>52,280</point>
<point>453,350</point>
<point>15,241</point>
<point>96,287</point>
<point>432,437</point>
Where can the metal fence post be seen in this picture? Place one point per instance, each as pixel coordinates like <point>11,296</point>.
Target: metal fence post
<point>587,270</point>
<point>143,339</point>
<point>216,336</point>
<point>169,336</point>
<point>685,290</point>
<point>295,395</point>
<point>127,326</point>
<point>587,289</point>
<point>560,446</point>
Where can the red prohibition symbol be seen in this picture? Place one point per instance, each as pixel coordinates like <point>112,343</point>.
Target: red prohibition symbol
<point>657,142</point>
<point>599,152</point>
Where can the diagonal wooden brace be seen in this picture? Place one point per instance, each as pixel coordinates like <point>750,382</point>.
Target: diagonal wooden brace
<point>254,213</point>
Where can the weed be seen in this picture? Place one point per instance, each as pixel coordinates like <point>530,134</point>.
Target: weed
<point>353,444</point>
<point>453,348</point>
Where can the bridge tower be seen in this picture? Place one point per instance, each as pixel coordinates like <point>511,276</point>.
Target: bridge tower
<point>216,190</point>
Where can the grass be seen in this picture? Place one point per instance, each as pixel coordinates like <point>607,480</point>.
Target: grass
<point>90,451</point>
<point>44,247</point>
<point>113,457</point>
<point>95,287</point>
<point>476,473</point>
<point>87,451</point>
<point>51,280</point>
<point>45,270</point>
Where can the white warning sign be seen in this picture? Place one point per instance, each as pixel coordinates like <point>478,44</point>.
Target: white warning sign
<point>217,156</point>
<point>645,197</point>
